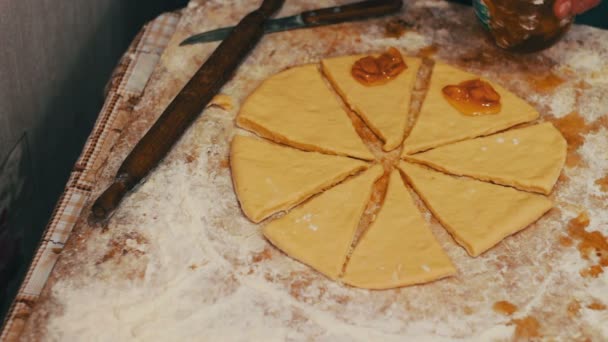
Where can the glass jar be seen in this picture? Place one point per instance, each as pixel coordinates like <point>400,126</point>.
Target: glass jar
<point>521,25</point>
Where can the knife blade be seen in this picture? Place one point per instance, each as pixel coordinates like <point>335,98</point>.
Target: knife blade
<point>324,16</point>
<point>184,109</point>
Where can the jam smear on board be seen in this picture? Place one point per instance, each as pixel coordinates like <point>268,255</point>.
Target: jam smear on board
<point>526,328</point>
<point>371,71</point>
<point>589,243</point>
<point>574,308</point>
<point>565,241</point>
<point>504,307</point>
<point>597,306</point>
<point>592,271</point>
<point>473,97</point>
<point>574,128</point>
<point>546,83</point>
<point>603,183</point>
<point>265,254</point>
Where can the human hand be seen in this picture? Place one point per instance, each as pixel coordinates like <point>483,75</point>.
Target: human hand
<point>566,8</point>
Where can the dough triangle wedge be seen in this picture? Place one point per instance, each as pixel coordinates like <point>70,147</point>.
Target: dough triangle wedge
<point>319,233</point>
<point>439,123</point>
<point>398,249</point>
<point>529,158</point>
<point>385,107</point>
<point>477,214</point>
<point>296,107</point>
<point>269,178</point>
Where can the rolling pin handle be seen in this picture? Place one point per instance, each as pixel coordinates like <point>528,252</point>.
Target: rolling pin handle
<point>110,198</point>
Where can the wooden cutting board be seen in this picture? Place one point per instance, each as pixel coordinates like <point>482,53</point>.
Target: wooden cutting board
<point>179,261</point>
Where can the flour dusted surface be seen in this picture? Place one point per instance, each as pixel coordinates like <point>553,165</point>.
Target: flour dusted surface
<point>180,262</point>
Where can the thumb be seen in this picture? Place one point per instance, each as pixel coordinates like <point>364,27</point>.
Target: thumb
<point>562,8</point>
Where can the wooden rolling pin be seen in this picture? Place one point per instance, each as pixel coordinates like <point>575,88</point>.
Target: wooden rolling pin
<point>185,108</point>
<point>205,84</point>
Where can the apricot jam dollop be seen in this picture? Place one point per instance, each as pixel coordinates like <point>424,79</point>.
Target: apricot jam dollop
<point>473,97</point>
<point>372,71</point>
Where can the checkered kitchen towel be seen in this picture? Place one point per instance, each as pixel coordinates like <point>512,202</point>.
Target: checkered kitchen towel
<point>126,86</point>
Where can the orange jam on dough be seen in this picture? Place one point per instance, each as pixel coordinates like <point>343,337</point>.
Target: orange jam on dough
<point>372,71</point>
<point>473,97</point>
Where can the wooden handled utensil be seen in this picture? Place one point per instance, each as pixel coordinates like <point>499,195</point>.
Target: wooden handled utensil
<point>205,84</point>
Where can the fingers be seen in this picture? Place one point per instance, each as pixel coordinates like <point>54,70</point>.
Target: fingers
<point>581,6</point>
<point>566,8</point>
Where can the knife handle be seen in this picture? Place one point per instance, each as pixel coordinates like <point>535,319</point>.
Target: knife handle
<point>356,11</point>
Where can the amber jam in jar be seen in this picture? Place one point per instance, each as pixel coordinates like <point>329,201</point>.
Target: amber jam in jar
<point>521,25</point>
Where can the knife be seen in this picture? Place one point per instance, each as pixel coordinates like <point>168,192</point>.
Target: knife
<point>184,109</point>
<point>324,16</point>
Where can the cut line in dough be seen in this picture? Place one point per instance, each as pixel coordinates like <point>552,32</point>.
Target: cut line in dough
<point>269,178</point>
<point>398,249</point>
<point>320,232</point>
<point>439,123</point>
<point>529,158</point>
<point>297,108</point>
<point>478,215</point>
<point>384,108</point>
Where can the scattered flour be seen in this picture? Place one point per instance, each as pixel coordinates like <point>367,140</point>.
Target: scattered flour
<point>563,101</point>
<point>227,297</point>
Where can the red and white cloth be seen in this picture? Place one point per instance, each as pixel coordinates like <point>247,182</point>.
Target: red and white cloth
<point>125,87</point>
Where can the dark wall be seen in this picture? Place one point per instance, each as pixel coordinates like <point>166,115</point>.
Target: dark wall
<point>597,17</point>
<point>55,58</point>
